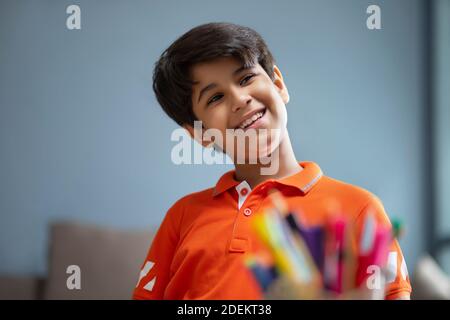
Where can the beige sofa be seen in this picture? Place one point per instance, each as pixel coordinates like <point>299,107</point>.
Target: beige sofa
<point>109,262</point>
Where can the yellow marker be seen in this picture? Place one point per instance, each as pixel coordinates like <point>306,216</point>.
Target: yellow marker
<point>280,259</point>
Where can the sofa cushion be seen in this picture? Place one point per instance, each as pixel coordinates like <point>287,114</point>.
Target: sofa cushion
<point>109,261</point>
<point>429,282</point>
<point>20,287</point>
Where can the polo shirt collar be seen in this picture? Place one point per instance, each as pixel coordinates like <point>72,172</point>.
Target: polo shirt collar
<point>304,180</point>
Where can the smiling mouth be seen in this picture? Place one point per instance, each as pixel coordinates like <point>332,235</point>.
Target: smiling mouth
<point>247,123</point>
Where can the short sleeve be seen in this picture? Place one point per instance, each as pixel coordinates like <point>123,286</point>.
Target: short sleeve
<point>397,278</point>
<point>155,271</point>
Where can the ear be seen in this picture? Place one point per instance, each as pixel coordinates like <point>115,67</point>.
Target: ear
<point>279,83</point>
<point>198,136</point>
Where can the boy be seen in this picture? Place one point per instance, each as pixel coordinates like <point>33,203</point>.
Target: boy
<point>224,76</point>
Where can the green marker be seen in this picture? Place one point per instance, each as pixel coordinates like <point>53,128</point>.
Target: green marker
<point>397,228</point>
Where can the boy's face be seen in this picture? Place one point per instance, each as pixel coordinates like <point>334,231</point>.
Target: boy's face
<point>227,96</point>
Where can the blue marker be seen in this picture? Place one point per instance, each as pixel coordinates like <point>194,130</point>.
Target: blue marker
<point>264,275</point>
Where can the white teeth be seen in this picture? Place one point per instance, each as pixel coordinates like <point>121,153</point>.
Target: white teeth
<point>249,121</point>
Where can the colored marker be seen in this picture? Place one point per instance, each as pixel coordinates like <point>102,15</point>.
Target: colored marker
<point>264,275</point>
<point>313,237</point>
<point>374,247</point>
<point>334,255</point>
<point>397,228</point>
<point>281,261</point>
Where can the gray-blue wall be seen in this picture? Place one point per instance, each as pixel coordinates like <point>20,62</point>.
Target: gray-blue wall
<point>82,137</point>
<point>441,123</point>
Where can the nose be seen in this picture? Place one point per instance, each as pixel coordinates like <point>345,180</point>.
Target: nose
<point>240,99</point>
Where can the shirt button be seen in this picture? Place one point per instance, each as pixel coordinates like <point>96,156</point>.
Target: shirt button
<point>244,191</point>
<point>247,211</point>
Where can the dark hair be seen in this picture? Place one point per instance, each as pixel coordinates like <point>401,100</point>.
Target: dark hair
<point>172,81</point>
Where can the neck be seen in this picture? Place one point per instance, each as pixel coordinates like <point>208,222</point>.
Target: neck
<point>285,162</point>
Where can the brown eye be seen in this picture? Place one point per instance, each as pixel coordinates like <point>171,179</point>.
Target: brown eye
<point>246,79</point>
<point>215,98</point>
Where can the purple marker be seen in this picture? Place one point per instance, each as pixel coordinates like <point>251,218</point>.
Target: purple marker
<point>314,238</point>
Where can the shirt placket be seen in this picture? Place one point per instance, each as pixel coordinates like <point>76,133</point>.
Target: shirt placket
<point>248,204</point>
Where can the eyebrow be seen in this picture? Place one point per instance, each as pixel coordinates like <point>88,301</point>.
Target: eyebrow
<point>213,85</point>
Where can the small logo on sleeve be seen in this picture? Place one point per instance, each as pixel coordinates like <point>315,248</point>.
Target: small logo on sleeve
<point>145,270</point>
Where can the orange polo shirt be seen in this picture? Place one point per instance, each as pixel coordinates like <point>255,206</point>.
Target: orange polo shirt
<point>197,252</point>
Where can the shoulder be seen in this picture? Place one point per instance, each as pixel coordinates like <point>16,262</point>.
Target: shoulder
<point>346,190</point>
<point>351,196</point>
<point>183,208</point>
<point>193,199</point>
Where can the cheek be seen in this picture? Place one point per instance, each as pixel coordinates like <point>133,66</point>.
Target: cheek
<point>273,101</point>
<point>216,118</point>
<point>266,93</point>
